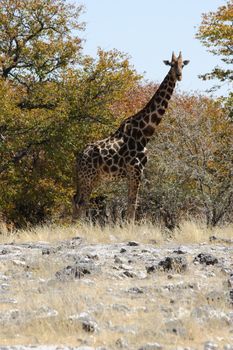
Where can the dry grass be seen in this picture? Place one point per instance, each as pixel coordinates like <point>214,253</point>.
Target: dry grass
<point>188,232</point>
<point>197,232</point>
<point>137,319</point>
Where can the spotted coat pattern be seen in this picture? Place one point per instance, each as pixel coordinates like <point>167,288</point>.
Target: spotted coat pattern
<point>123,154</point>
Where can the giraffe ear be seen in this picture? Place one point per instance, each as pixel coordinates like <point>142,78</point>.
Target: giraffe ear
<point>126,128</point>
<point>186,62</point>
<point>168,63</point>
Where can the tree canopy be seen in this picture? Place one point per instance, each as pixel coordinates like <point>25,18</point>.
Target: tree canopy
<point>54,100</point>
<point>36,39</point>
<point>216,34</point>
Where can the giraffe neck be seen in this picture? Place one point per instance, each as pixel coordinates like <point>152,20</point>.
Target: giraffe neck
<point>158,104</point>
<point>150,116</point>
<point>159,101</point>
<point>141,126</point>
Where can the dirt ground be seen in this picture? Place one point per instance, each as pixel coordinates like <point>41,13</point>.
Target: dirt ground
<point>116,293</point>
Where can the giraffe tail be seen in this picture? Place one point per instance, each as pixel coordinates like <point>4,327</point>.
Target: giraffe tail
<point>77,196</point>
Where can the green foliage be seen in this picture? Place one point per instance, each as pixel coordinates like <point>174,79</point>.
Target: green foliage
<point>54,100</point>
<point>216,33</point>
<point>36,39</point>
<point>189,172</point>
<point>191,165</point>
<point>44,125</point>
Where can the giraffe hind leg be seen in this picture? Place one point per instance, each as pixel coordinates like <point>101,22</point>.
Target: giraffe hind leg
<point>133,188</point>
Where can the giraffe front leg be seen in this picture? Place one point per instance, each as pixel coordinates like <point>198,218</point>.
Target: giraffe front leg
<point>133,188</point>
<point>78,208</point>
<point>80,202</point>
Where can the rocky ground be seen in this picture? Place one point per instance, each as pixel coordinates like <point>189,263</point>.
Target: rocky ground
<point>125,295</point>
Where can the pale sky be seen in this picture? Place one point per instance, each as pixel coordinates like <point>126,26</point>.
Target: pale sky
<point>149,31</point>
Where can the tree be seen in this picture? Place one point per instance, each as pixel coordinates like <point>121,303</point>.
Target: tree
<point>38,145</point>
<point>216,33</point>
<point>192,162</point>
<point>37,40</point>
<point>53,100</point>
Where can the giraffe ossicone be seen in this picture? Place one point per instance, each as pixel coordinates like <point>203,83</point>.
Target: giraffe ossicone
<point>123,154</point>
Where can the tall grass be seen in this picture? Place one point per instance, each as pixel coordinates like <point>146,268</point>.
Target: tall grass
<point>189,231</point>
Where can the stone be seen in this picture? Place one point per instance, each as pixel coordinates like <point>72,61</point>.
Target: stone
<point>89,326</point>
<point>8,301</point>
<point>45,312</point>
<point>179,251</point>
<point>207,259</point>
<point>47,347</point>
<point>231,296</point>
<point>118,260</point>
<point>72,272</point>
<point>176,327</point>
<point>126,267</point>
<point>215,296</point>
<point>123,250</point>
<point>150,269</point>
<point>228,347</point>
<point>220,240</point>
<point>89,280</point>
<point>129,274</point>
<point>47,251</point>
<point>177,263</point>
<point>4,251</point>
<point>93,256</point>
<point>18,262</point>
<point>135,290</point>
<point>210,346</point>
<point>151,346</point>
<point>120,308</point>
<point>132,244</point>
<point>121,343</point>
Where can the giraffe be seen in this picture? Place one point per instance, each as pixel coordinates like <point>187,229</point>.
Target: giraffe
<point>123,154</point>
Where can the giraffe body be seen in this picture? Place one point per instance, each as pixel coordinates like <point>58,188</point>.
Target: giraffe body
<point>123,153</point>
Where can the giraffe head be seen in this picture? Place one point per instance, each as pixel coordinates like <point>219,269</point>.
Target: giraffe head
<point>177,65</point>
